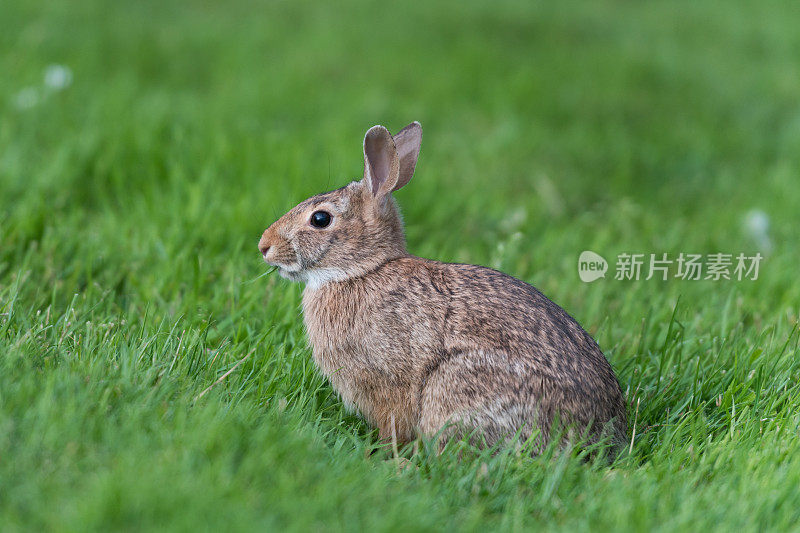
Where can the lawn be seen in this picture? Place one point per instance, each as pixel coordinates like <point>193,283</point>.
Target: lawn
<point>151,375</point>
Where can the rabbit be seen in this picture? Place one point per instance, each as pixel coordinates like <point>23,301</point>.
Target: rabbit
<point>435,350</point>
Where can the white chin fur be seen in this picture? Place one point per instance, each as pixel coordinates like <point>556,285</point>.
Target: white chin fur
<point>318,277</point>
<point>313,278</point>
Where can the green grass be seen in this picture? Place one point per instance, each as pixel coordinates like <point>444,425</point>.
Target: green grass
<point>132,201</point>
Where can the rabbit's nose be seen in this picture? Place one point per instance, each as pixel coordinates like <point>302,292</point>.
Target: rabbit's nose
<point>263,244</point>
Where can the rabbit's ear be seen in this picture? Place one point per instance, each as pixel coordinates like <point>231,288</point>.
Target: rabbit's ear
<point>381,164</point>
<point>408,142</point>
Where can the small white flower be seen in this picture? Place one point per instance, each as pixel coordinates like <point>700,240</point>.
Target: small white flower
<point>57,77</point>
<point>514,219</point>
<point>757,222</point>
<point>26,98</point>
<point>756,225</point>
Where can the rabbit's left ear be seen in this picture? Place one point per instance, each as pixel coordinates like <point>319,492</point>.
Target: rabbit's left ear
<point>407,141</point>
<point>381,163</point>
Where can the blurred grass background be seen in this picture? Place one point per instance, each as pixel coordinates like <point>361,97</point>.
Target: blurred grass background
<point>133,196</point>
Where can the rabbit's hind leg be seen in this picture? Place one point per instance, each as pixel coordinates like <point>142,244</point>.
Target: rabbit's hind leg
<point>474,395</point>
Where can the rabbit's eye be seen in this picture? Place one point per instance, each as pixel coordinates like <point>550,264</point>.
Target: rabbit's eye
<point>320,219</point>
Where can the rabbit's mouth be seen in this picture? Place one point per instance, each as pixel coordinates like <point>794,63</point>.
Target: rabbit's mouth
<point>290,272</point>
<point>293,275</point>
<point>287,269</point>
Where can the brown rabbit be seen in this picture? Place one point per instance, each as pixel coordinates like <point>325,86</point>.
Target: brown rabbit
<point>425,348</point>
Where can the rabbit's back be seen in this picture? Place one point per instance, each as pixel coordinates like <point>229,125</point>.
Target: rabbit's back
<point>532,361</point>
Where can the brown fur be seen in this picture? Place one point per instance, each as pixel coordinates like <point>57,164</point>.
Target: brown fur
<point>439,348</point>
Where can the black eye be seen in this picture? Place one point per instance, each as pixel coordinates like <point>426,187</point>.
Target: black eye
<point>320,219</point>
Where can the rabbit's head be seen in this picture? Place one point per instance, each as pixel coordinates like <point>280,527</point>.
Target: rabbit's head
<point>352,230</point>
